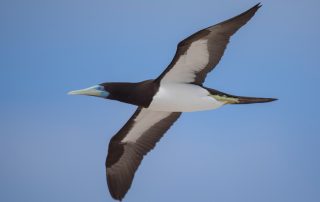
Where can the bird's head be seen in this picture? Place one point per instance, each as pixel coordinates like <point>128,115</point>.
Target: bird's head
<point>97,90</point>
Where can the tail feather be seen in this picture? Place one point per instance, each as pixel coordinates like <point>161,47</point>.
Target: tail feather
<point>250,100</point>
<point>233,99</point>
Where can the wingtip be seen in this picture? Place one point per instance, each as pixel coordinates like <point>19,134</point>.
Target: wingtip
<point>117,198</point>
<point>114,189</point>
<point>258,5</point>
<point>254,8</point>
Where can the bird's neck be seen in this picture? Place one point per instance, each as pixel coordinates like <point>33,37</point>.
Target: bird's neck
<point>139,94</point>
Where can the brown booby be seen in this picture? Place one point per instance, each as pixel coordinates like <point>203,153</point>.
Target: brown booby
<point>161,101</point>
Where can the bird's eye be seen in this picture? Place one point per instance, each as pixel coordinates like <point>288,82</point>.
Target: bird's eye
<point>99,88</point>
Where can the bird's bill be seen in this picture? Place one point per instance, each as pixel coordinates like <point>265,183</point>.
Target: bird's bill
<point>97,91</point>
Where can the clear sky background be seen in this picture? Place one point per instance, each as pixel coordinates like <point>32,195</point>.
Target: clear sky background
<point>53,146</point>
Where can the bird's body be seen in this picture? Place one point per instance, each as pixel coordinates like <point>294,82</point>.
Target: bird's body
<point>181,97</point>
<point>161,101</point>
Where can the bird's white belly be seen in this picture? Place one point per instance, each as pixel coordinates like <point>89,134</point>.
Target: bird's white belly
<point>183,98</point>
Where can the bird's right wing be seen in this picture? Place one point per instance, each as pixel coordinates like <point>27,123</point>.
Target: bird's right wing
<point>134,140</point>
<point>198,54</point>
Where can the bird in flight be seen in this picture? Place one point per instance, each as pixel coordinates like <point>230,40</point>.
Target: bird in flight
<point>161,101</point>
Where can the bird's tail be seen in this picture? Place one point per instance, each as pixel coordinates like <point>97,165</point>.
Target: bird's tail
<point>233,99</point>
<point>250,100</point>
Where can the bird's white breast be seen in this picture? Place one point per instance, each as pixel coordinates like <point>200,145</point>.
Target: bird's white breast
<point>175,97</point>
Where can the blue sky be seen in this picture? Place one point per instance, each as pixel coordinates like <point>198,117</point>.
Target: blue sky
<point>53,146</point>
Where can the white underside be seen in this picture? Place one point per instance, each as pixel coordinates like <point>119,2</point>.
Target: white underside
<point>178,97</point>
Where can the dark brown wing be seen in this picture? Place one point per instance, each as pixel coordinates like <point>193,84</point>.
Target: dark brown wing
<point>198,54</point>
<point>134,140</point>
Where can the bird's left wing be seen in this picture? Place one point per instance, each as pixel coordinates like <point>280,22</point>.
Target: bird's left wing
<point>198,54</point>
<point>134,140</point>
